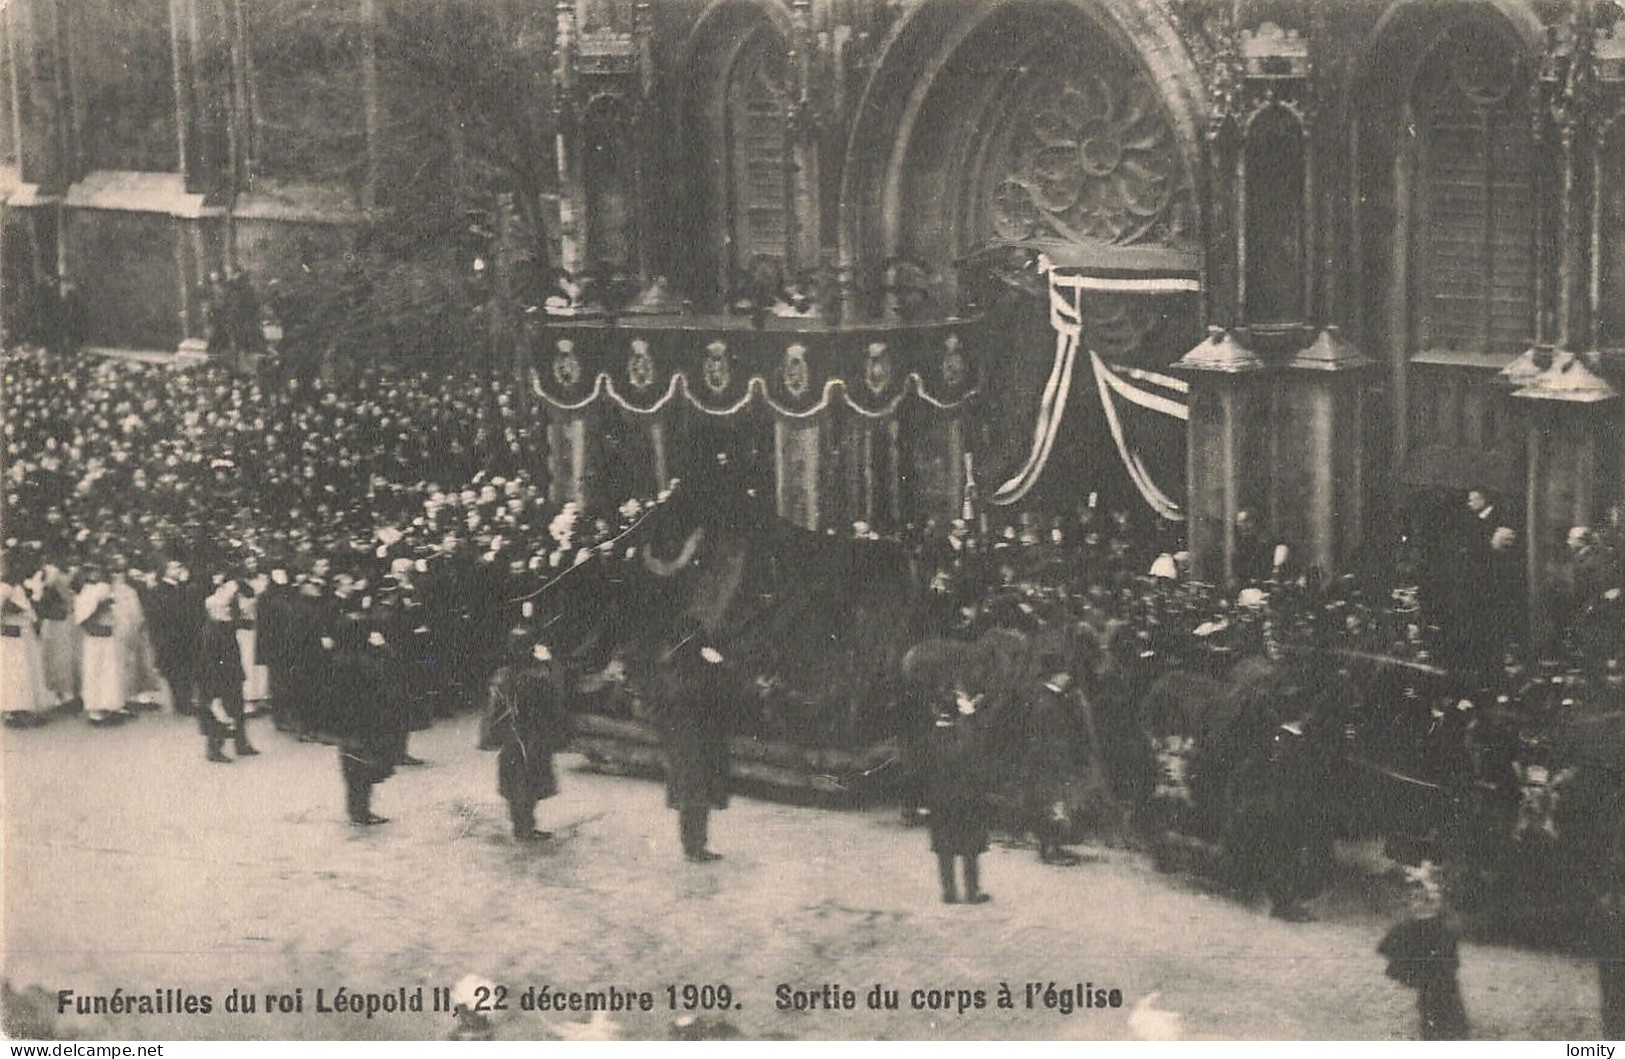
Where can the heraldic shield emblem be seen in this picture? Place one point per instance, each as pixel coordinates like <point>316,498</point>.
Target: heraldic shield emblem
<point>640,366</point>
<point>566,365</point>
<point>715,368</point>
<point>954,368</point>
<point>797,375</point>
<point>877,373</point>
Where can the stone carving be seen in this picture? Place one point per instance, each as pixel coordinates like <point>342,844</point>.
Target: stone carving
<point>1092,158</point>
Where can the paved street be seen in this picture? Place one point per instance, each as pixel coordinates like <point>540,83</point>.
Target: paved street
<point>131,863</point>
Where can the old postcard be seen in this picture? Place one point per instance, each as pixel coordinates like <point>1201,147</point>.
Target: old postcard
<point>813,520</point>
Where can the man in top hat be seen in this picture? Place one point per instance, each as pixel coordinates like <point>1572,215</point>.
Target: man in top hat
<point>526,721</point>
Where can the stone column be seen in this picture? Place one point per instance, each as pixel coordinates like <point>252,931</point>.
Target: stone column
<point>1574,426</point>
<point>1226,399</point>
<point>1319,477</point>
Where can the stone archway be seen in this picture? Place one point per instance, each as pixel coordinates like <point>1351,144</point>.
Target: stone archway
<point>1073,126</point>
<point>1073,122</point>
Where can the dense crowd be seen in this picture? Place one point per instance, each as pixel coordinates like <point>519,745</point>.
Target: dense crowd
<point>418,503</point>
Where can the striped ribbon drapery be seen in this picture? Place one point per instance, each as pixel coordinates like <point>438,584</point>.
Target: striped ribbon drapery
<point>1139,388</point>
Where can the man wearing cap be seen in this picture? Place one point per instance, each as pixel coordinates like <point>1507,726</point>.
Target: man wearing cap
<point>527,723</point>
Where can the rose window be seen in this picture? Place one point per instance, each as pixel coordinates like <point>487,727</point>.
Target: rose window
<point>1091,158</point>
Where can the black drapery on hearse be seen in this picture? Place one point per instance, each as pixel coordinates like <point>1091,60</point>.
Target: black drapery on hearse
<point>1097,328</point>
<point>811,627</point>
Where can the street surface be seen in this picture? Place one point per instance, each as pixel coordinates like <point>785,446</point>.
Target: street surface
<point>131,863</point>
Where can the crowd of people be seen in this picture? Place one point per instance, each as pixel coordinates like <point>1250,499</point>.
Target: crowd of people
<point>222,541</point>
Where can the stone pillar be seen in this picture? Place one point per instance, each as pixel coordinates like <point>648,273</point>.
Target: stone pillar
<point>1574,426</point>
<point>566,118</point>
<point>1319,477</point>
<point>1226,399</point>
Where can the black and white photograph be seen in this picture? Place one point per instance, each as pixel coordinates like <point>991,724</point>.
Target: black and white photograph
<point>812,520</point>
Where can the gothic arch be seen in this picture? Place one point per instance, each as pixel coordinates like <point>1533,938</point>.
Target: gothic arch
<point>1449,182</point>
<point>728,35</point>
<point>934,125</point>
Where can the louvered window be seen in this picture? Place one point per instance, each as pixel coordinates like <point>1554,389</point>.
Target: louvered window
<point>758,114</point>
<point>1475,197</point>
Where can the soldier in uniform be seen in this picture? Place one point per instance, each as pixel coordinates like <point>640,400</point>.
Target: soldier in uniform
<point>526,721</point>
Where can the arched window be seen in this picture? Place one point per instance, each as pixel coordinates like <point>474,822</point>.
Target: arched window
<point>1273,181</point>
<point>1474,195</point>
<point>759,206</point>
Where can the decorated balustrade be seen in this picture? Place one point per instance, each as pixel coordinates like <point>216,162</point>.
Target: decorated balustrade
<point>844,423</point>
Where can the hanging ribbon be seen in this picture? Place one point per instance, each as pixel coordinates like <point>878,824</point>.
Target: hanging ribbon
<point>1163,504</point>
<point>1066,317</point>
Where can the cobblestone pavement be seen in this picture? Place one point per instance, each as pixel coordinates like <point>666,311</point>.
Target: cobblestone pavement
<point>131,863</point>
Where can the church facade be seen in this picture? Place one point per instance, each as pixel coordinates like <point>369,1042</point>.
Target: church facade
<point>1343,253</point>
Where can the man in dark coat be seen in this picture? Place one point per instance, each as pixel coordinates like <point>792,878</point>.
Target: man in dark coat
<point>243,311</point>
<point>956,790</point>
<point>696,710</point>
<point>1054,745</point>
<point>216,301</point>
<point>369,726</point>
<point>176,620</point>
<point>308,622</point>
<point>220,677</point>
<point>526,721</point>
